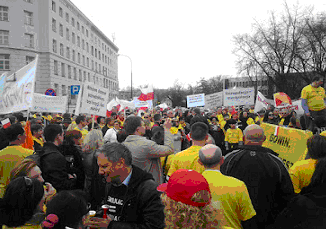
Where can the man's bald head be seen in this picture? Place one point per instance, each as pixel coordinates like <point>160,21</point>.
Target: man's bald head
<point>254,134</point>
<point>210,155</point>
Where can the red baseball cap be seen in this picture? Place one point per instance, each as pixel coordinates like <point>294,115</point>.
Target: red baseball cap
<point>183,184</point>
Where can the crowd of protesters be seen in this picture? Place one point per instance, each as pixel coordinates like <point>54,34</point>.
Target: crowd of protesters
<point>158,168</point>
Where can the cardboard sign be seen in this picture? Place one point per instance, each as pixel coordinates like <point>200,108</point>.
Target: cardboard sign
<point>239,97</point>
<point>289,143</point>
<point>94,100</point>
<point>196,100</point>
<point>49,104</point>
<point>214,100</point>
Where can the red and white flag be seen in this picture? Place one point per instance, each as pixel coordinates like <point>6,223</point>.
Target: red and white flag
<point>5,123</point>
<point>277,130</point>
<point>147,93</point>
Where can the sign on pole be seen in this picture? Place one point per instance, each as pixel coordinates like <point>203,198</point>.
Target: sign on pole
<point>74,89</point>
<point>50,92</point>
<point>196,100</point>
<point>239,96</point>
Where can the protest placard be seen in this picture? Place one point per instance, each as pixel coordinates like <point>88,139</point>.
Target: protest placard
<point>49,104</point>
<point>196,100</point>
<point>138,103</point>
<point>16,90</point>
<point>214,100</point>
<point>94,100</point>
<point>238,97</point>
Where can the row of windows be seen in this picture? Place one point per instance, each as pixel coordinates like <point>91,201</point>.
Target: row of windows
<point>5,61</point>
<point>71,20</point>
<point>28,39</point>
<point>81,59</point>
<point>82,76</point>
<point>4,15</point>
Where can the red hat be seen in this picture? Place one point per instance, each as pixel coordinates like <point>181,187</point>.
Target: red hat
<point>183,184</point>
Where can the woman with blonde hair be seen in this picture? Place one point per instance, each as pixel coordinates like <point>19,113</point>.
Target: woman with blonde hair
<point>92,141</point>
<point>188,204</point>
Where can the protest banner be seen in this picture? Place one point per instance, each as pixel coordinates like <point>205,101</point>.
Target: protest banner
<point>16,90</point>
<point>49,104</point>
<point>238,97</point>
<point>296,106</point>
<point>261,102</point>
<point>214,100</point>
<point>138,103</point>
<point>196,100</point>
<point>94,100</point>
<point>288,143</point>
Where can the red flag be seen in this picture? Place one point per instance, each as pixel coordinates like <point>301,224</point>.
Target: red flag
<point>147,94</point>
<point>29,143</point>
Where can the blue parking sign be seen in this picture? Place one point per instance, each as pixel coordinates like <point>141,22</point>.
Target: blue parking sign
<point>75,89</point>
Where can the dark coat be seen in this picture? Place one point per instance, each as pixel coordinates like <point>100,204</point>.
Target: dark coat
<point>142,208</point>
<point>306,210</point>
<point>54,168</point>
<point>266,177</point>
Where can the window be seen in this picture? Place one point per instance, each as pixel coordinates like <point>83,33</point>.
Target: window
<point>54,46</point>
<point>87,47</point>
<point>102,57</point>
<point>92,48</point>
<point>53,6</point>
<point>78,58</point>
<point>80,75</point>
<point>69,72</point>
<point>83,30</point>
<point>55,67</point>
<point>4,37</point>
<point>67,17</point>
<point>86,32</point>
<point>84,76</point>
<point>87,62</point>
<point>95,67</point>
<point>73,38</point>
<point>4,62</point>
<point>95,53</point>
<point>78,41</point>
<point>78,26</point>
<point>68,52</point>
<point>29,40</point>
<point>92,64</point>
<point>64,90</point>
<point>29,59</point>
<point>56,88</point>
<point>73,22</point>
<point>99,55</point>
<point>67,34</point>
<point>84,60</point>
<point>91,37</point>
<point>61,30</point>
<point>99,68</point>
<point>75,74</point>
<point>54,25</point>
<point>73,55</point>
<point>60,12</point>
<point>63,70</point>
<point>4,13</point>
<point>89,77</point>
<point>61,50</point>
<point>83,44</point>
<point>28,18</point>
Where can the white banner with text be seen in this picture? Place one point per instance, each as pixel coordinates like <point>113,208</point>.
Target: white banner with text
<point>239,96</point>
<point>49,104</point>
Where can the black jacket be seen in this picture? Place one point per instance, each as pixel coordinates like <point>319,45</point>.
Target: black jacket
<point>306,210</point>
<point>54,168</point>
<point>266,177</point>
<point>142,208</point>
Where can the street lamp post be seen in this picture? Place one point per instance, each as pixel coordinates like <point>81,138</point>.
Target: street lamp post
<point>130,72</point>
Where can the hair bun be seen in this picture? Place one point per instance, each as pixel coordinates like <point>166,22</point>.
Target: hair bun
<point>50,221</point>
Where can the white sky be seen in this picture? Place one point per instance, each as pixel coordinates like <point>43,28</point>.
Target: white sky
<point>178,39</point>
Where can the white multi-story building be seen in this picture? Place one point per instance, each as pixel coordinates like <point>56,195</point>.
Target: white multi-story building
<point>71,49</point>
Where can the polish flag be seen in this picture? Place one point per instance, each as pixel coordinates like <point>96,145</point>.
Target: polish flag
<point>5,123</point>
<point>277,130</point>
<point>147,93</point>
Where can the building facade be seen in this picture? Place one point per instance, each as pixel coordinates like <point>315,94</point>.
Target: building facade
<point>244,82</point>
<point>71,49</point>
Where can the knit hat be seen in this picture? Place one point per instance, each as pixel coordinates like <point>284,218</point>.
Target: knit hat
<point>183,184</point>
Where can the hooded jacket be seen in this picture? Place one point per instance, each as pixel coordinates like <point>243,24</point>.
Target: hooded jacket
<point>142,208</point>
<point>266,177</point>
